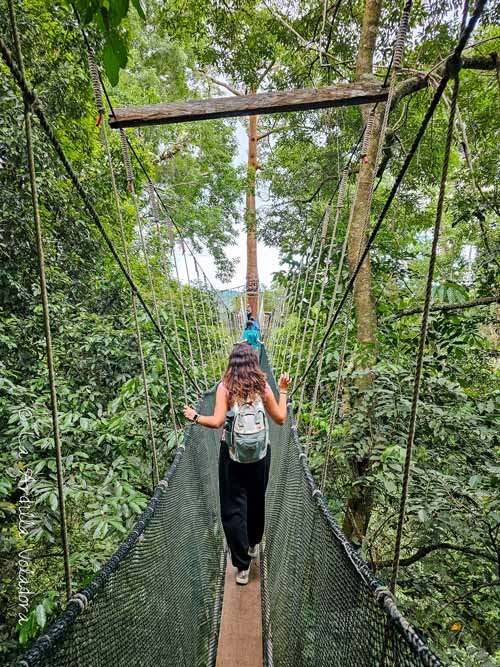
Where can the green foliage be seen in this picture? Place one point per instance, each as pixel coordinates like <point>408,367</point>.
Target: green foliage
<point>109,16</point>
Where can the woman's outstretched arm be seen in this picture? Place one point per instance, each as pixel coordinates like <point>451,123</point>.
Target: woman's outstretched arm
<point>218,418</point>
<point>277,410</point>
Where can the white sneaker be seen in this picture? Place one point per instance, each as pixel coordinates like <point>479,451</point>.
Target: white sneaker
<point>253,552</point>
<point>242,577</point>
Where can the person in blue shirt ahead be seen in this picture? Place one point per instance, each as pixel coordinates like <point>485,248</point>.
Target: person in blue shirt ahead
<point>251,335</point>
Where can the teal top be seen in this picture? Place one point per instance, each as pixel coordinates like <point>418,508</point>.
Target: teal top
<point>252,337</point>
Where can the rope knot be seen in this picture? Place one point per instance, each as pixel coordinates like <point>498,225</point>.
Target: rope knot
<point>31,101</point>
<point>452,66</point>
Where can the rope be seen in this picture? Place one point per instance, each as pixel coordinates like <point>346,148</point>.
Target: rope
<point>324,282</point>
<point>156,220</point>
<point>452,63</point>
<point>301,303</point>
<point>183,306</point>
<point>28,101</point>
<point>334,408</point>
<point>217,324</point>
<point>284,339</point>
<point>340,267</point>
<point>165,247</point>
<point>45,125</point>
<point>208,337</point>
<point>195,318</point>
<point>349,160</point>
<point>311,295</point>
<point>423,337</point>
<point>116,198</point>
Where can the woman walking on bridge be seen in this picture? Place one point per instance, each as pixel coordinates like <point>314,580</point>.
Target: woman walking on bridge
<point>243,401</point>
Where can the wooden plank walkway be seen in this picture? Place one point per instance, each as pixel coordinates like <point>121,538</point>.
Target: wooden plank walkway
<point>240,637</point>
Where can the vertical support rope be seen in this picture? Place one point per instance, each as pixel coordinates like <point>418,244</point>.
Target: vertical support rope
<point>205,323</point>
<point>283,336</point>
<point>183,306</point>
<point>30,154</point>
<point>333,301</point>
<point>326,222</point>
<point>194,316</point>
<point>137,328</point>
<point>217,324</point>
<point>338,209</point>
<point>423,336</point>
<point>301,303</point>
<point>334,407</point>
<point>156,221</point>
<point>164,253</point>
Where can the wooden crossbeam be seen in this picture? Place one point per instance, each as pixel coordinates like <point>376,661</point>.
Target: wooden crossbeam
<point>343,94</point>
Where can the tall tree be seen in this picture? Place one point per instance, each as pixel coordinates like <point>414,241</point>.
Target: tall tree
<point>360,500</point>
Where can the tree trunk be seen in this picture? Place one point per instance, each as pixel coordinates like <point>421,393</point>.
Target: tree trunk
<point>252,282</point>
<point>360,500</point>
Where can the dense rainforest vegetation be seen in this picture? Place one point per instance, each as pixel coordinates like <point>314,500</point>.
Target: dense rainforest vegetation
<point>449,583</point>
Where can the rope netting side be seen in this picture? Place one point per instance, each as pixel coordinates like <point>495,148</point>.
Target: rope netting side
<point>157,600</point>
<point>323,604</point>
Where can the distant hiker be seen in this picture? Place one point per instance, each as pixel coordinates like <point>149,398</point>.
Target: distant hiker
<point>243,402</point>
<point>251,335</point>
<point>254,323</point>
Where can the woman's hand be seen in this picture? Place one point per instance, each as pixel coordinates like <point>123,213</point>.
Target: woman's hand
<point>284,382</point>
<point>189,413</point>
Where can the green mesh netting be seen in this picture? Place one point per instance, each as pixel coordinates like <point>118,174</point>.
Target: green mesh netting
<point>322,605</point>
<point>157,601</point>
<point>154,602</point>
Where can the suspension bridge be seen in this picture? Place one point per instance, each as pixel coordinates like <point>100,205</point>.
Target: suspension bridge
<point>164,598</point>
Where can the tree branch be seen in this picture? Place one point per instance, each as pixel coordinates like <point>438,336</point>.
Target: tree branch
<point>446,307</point>
<point>421,80</point>
<point>272,131</point>
<point>308,200</point>
<point>303,41</point>
<point>425,551</point>
<point>222,84</point>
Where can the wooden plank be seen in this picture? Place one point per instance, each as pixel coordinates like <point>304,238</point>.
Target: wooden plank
<point>240,636</point>
<point>249,105</point>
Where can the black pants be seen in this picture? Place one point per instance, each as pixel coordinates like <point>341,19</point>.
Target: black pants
<point>242,489</point>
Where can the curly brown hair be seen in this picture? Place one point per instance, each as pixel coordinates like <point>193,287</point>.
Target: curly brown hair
<point>243,378</point>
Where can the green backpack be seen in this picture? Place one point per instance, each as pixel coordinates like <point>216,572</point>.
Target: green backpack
<point>249,436</point>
